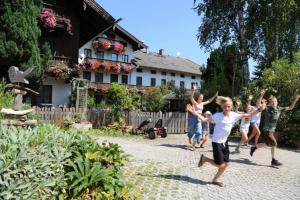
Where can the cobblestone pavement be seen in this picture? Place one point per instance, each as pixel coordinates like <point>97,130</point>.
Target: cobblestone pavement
<point>167,169</point>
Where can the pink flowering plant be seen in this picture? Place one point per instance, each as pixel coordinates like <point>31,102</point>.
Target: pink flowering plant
<point>48,20</point>
<point>127,68</point>
<point>116,68</point>
<point>66,22</point>
<point>118,47</point>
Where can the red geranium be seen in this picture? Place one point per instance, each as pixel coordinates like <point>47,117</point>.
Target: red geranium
<point>116,68</point>
<point>95,65</point>
<point>106,44</point>
<point>106,67</point>
<point>128,68</point>
<point>118,47</point>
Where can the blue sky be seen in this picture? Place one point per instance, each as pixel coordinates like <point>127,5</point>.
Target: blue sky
<point>161,24</point>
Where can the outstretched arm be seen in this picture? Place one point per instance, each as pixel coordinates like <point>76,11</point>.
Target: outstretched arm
<point>259,100</point>
<point>292,106</point>
<point>191,109</point>
<point>211,99</point>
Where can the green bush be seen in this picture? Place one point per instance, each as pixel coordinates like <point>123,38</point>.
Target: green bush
<point>119,99</point>
<point>48,163</point>
<point>6,97</point>
<point>154,100</point>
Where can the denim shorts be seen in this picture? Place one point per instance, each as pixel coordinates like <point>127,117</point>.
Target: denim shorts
<point>194,127</point>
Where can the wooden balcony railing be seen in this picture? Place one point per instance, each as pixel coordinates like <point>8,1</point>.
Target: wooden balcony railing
<point>70,62</point>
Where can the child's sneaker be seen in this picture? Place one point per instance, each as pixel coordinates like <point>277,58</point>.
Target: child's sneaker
<point>252,150</point>
<point>275,162</point>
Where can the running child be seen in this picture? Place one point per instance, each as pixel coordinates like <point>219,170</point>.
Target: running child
<point>244,127</point>
<point>270,116</point>
<point>255,120</point>
<point>205,129</point>
<point>224,122</point>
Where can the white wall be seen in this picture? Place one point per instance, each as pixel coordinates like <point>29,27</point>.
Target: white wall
<point>61,91</point>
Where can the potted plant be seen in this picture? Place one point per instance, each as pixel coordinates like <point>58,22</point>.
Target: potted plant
<point>106,44</point>
<point>127,68</point>
<point>60,71</point>
<point>118,47</point>
<point>66,23</point>
<point>106,67</point>
<point>48,20</point>
<point>95,65</point>
<point>116,68</point>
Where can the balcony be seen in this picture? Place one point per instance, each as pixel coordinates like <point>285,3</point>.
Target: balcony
<point>106,60</point>
<point>70,62</point>
<point>101,86</point>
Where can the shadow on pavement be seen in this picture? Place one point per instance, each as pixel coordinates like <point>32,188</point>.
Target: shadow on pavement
<point>184,178</point>
<point>180,146</point>
<point>249,162</point>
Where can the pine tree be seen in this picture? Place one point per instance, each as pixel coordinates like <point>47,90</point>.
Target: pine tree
<point>19,33</point>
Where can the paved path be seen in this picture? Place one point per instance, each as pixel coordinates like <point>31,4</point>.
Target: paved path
<point>166,169</point>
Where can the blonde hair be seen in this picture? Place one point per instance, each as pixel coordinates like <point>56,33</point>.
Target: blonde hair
<point>208,113</point>
<point>222,100</point>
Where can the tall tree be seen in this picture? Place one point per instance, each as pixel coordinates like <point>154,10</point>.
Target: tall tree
<point>224,22</point>
<point>223,72</point>
<point>19,33</point>
<point>263,29</point>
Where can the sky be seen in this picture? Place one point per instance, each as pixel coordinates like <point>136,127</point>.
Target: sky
<point>161,24</point>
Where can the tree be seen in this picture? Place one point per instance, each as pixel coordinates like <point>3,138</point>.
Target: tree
<point>223,72</point>
<point>19,33</point>
<point>224,22</point>
<point>154,100</point>
<point>118,98</point>
<point>263,29</point>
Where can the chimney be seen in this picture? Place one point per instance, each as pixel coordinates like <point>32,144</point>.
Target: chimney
<point>161,52</point>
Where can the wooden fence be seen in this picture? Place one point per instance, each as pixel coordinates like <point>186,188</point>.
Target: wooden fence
<point>175,122</point>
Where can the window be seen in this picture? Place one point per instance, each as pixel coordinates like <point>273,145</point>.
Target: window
<point>172,82</point>
<point>87,75</point>
<point>163,82</point>
<point>45,95</point>
<point>193,77</point>
<point>88,53</point>
<point>172,74</point>
<point>139,81</point>
<point>114,78</point>
<point>181,84</point>
<point>140,70</point>
<point>124,79</point>
<point>125,58</point>
<point>99,77</point>
<point>182,75</point>
<point>153,82</point>
<point>114,57</point>
<point>153,72</point>
<point>100,55</point>
<point>164,73</point>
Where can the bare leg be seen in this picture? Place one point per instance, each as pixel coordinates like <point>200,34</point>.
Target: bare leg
<point>253,133</point>
<point>257,135</point>
<point>221,170</point>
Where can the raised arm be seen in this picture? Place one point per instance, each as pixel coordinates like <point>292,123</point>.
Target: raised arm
<point>192,95</point>
<point>292,106</point>
<point>259,100</point>
<point>211,99</point>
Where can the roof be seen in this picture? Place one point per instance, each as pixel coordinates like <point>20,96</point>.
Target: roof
<point>166,62</point>
<point>93,13</point>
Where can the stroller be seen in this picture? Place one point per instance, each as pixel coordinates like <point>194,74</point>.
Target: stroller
<point>153,131</point>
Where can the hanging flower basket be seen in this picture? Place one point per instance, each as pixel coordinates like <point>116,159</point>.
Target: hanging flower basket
<point>116,68</point>
<point>95,65</point>
<point>86,65</point>
<point>76,71</point>
<point>118,47</point>
<point>96,44</point>
<point>65,22</point>
<point>106,67</point>
<point>106,45</point>
<point>127,68</point>
<point>48,20</point>
<point>60,71</point>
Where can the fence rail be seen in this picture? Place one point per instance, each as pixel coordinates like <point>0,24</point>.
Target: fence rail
<point>176,122</point>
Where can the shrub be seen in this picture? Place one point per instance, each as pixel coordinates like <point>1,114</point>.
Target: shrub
<point>6,97</point>
<point>48,163</point>
<point>154,100</point>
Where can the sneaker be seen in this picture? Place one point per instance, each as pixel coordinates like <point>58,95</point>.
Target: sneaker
<point>201,146</point>
<point>252,150</point>
<point>275,162</point>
